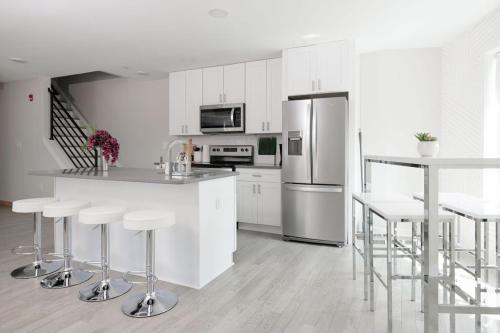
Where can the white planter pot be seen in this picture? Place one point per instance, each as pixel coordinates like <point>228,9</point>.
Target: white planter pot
<point>428,148</point>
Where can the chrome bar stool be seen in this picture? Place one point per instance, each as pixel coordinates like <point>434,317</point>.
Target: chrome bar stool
<point>39,266</point>
<point>153,302</point>
<point>106,288</point>
<point>69,276</point>
<point>404,212</point>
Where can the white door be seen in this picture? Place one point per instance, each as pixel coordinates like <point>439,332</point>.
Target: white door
<point>177,103</point>
<point>234,84</point>
<point>194,96</point>
<point>269,203</point>
<point>274,105</point>
<point>329,64</point>
<point>255,97</point>
<point>213,85</point>
<point>246,193</point>
<point>299,80</point>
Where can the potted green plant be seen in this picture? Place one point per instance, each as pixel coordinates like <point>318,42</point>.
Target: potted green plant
<point>428,145</point>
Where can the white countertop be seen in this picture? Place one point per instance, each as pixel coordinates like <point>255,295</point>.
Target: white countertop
<point>446,163</point>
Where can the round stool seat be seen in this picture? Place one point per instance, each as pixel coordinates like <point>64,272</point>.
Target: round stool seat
<point>101,214</point>
<point>34,205</point>
<point>64,208</point>
<point>148,219</point>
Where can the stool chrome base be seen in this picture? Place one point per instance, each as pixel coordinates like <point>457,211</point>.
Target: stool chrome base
<point>149,305</point>
<point>34,270</point>
<point>104,290</point>
<point>65,279</point>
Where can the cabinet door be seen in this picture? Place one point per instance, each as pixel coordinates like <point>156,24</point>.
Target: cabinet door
<point>255,97</point>
<point>274,109</point>
<point>246,196</point>
<point>194,94</point>
<point>269,203</point>
<point>329,66</point>
<point>234,83</point>
<point>177,103</point>
<point>213,85</point>
<point>299,80</point>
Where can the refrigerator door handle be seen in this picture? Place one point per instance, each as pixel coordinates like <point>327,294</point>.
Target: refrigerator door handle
<point>315,188</point>
<point>315,145</point>
<point>308,159</point>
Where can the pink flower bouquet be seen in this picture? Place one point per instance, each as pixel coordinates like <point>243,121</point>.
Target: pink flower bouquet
<point>109,146</point>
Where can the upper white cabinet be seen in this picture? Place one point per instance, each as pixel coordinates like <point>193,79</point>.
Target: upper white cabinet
<point>263,96</point>
<point>177,102</point>
<point>224,84</point>
<point>193,101</point>
<point>234,84</point>
<point>318,69</point>
<point>213,85</point>
<point>185,98</point>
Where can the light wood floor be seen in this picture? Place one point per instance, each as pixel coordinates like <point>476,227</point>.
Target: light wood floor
<point>274,286</point>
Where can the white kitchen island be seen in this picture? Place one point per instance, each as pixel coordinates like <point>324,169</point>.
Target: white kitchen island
<point>192,253</point>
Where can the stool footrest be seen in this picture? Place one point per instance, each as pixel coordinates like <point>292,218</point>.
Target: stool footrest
<point>142,273</point>
<point>15,251</point>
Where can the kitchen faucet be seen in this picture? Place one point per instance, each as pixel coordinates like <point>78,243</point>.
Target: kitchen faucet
<point>169,164</point>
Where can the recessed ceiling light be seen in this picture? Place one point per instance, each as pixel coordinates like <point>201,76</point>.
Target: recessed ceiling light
<point>19,60</point>
<point>310,36</point>
<point>141,73</point>
<point>218,13</point>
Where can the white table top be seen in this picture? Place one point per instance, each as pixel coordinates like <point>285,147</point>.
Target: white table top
<point>447,196</point>
<point>474,209</point>
<point>445,163</point>
<point>365,197</point>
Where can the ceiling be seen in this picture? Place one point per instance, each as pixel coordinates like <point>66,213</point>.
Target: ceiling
<point>61,37</point>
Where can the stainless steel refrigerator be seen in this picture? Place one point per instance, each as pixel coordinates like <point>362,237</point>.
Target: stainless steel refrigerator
<point>314,170</point>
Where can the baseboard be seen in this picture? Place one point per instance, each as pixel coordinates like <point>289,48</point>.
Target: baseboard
<point>259,227</point>
<point>5,203</point>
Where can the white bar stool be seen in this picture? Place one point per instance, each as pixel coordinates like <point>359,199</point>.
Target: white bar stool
<point>153,302</point>
<point>106,288</point>
<point>406,212</point>
<point>69,276</point>
<point>39,266</point>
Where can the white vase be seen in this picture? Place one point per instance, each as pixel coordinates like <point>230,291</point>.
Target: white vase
<point>428,148</point>
<point>102,163</point>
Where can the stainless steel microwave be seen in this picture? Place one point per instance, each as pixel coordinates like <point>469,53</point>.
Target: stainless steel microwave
<point>222,118</point>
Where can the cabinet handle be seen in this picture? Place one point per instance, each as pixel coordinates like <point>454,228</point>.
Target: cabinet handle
<point>262,126</point>
<point>312,85</point>
<point>220,98</point>
<point>182,129</point>
<point>186,128</point>
<point>257,176</point>
<point>258,188</point>
<point>268,126</point>
<point>224,97</point>
<point>253,188</point>
<point>319,84</point>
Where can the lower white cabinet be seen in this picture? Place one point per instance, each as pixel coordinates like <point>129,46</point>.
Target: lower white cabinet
<point>259,196</point>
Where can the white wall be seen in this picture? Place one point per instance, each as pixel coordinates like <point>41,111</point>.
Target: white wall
<point>400,95</point>
<point>24,144</point>
<point>463,108</point>
<point>136,113</point>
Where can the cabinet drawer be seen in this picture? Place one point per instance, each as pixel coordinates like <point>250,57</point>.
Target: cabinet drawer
<point>259,175</point>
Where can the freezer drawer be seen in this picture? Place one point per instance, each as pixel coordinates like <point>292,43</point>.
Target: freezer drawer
<point>313,212</point>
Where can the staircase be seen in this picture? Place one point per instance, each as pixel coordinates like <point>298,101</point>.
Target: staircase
<point>70,130</point>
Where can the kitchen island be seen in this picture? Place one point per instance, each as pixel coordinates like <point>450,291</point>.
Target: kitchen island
<point>193,252</point>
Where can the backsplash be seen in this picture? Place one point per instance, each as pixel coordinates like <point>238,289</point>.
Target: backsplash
<point>238,139</point>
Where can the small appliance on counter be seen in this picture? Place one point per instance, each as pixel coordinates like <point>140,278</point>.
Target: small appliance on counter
<point>267,146</point>
<point>205,154</point>
<point>227,157</point>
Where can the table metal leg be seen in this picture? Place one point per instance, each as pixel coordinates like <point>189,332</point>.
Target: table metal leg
<point>497,253</point>
<point>445,260</point>
<point>370,260</point>
<point>389,241</point>
<point>430,247</point>
<point>353,237</point>
<point>452,274</point>
<point>366,253</point>
<point>477,272</point>
<point>413,261</point>
<point>486,239</point>
<point>395,249</point>
<point>422,284</point>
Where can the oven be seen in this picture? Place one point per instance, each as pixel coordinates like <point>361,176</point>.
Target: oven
<point>222,118</point>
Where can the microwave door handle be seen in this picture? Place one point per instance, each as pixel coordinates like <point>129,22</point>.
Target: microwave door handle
<point>232,117</point>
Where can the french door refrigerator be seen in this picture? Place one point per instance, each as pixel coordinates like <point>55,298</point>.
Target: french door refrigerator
<point>314,170</point>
